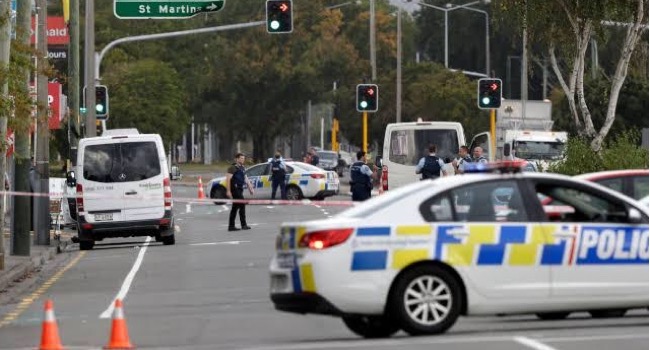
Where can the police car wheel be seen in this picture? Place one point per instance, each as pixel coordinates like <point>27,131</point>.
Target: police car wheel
<point>607,313</point>
<point>371,326</point>
<point>552,316</point>
<point>426,300</point>
<point>218,192</point>
<point>294,193</point>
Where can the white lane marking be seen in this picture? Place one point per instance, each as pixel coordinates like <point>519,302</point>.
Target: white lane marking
<point>221,243</point>
<point>224,207</point>
<point>128,280</point>
<point>188,208</point>
<point>325,213</point>
<point>532,343</point>
<point>595,337</point>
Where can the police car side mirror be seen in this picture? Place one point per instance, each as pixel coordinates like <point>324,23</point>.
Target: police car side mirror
<point>378,161</point>
<point>70,179</point>
<point>635,216</point>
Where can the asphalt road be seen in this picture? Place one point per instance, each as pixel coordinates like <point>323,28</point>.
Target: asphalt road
<point>210,291</point>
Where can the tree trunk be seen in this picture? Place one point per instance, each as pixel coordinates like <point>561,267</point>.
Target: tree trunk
<point>583,44</point>
<point>569,91</point>
<point>261,148</point>
<point>631,41</point>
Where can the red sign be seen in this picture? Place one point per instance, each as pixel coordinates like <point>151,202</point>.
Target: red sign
<point>57,31</point>
<point>54,102</point>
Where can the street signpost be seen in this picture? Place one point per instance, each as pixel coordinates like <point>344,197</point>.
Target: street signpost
<point>133,9</point>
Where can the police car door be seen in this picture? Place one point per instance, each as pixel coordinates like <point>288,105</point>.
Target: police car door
<point>490,240</point>
<point>605,252</point>
<point>260,182</point>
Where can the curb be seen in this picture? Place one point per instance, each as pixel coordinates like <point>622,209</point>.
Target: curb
<point>27,264</point>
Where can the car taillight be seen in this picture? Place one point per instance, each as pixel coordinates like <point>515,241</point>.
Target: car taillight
<point>167,186</point>
<point>80,199</point>
<point>324,239</point>
<point>317,176</point>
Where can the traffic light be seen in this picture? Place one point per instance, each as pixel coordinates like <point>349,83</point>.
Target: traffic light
<point>279,18</point>
<point>101,101</point>
<point>489,93</point>
<point>367,97</point>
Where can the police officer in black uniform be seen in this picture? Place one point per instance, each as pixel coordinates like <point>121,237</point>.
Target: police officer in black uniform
<point>278,174</point>
<point>431,166</point>
<point>361,178</point>
<point>235,181</point>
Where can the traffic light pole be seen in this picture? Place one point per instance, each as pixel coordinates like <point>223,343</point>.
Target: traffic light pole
<point>101,54</point>
<point>493,129</point>
<point>365,132</point>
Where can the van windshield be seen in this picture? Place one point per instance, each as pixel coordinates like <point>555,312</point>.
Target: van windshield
<point>408,146</point>
<point>121,162</point>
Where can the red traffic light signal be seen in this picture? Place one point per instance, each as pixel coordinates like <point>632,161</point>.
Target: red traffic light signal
<point>367,97</point>
<point>279,17</point>
<point>489,93</point>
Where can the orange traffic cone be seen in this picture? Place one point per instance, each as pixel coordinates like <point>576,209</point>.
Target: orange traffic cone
<point>201,193</point>
<point>50,337</point>
<point>119,333</point>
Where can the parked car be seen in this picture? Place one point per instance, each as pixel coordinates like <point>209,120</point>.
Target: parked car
<point>632,183</point>
<point>330,160</point>
<point>303,181</point>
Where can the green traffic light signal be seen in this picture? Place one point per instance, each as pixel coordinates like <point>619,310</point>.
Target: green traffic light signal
<point>367,97</point>
<point>489,93</point>
<point>101,101</point>
<point>279,16</point>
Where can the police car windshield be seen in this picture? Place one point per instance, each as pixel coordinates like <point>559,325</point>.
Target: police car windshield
<point>306,167</point>
<point>372,205</point>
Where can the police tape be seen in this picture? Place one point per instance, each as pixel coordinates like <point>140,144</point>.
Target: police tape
<point>198,201</point>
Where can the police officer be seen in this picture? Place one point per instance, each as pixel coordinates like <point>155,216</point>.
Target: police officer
<point>431,166</point>
<point>236,179</point>
<point>464,159</point>
<point>361,178</point>
<point>278,173</point>
<point>478,155</point>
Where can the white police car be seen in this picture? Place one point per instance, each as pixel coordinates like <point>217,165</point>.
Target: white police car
<point>303,181</point>
<point>418,257</point>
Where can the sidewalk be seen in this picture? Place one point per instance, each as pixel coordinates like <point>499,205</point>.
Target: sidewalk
<point>16,267</point>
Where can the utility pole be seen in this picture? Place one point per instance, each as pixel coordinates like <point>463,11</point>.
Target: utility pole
<point>42,202</point>
<point>5,45</point>
<point>20,240</point>
<point>89,75</point>
<point>73,79</point>
<point>398,89</point>
<point>524,64</point>
<point>373,53</point>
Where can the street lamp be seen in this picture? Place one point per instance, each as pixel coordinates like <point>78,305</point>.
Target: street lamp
<point>446,10</point>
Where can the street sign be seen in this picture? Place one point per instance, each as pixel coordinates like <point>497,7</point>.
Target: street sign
<point>131,9</point>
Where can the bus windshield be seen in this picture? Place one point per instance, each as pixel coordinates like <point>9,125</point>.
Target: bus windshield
<point>408,146</point>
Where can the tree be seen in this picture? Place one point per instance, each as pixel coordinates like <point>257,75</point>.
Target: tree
<point>565,28</point>
<point>148,95</point>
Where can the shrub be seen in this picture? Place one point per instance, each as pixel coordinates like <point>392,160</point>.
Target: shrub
<point>621,152</point>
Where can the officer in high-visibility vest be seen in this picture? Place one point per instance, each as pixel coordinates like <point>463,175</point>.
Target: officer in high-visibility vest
<point>361,178</point>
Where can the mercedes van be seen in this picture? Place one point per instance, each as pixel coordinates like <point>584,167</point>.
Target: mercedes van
<point>123,189</point>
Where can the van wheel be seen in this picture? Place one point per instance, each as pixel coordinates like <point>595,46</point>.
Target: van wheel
<point>426,300</point>
<point>614,313</point>
<point>371,326</point>
<point>218,193</point>
<point>86,245</point>
<point>168,240</point>
<point>294,193</point>
<point>552,316</point>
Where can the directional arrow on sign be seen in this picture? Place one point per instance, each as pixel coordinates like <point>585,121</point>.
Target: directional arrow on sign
<point>212,7</point>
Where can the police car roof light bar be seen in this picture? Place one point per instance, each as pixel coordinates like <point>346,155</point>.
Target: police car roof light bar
<point>502,167</point>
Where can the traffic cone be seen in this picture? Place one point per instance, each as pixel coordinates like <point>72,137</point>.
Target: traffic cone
<point>50,337</point>
<point>119,333</point>
<point>201,193</point>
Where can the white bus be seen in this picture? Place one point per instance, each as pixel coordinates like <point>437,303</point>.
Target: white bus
<point>406,143</point>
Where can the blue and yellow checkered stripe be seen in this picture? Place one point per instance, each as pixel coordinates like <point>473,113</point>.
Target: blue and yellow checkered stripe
<point>302,276</point>
<point>485,245</point>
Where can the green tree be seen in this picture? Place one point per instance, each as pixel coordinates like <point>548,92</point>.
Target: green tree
<point>565,29</point>
<point>148,95</point>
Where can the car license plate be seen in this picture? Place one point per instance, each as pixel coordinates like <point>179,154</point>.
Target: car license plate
<point>286,260</point>
<point>104,217</point>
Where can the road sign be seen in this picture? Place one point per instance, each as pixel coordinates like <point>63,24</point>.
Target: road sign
<point>130,9</point>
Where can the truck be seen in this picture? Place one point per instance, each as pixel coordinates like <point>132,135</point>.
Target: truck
<point>405,143</point>
<point>517,137</point>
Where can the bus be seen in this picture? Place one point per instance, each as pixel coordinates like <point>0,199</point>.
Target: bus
<point>405,143</point>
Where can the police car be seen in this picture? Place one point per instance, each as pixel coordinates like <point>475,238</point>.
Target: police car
<point>303,181</point>
<point>418,257</point>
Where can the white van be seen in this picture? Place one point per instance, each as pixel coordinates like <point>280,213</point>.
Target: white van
<point>123,189</point>
<point>405,143</point>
